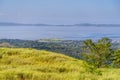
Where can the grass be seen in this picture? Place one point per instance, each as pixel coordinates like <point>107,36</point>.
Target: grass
<point>31,64</point>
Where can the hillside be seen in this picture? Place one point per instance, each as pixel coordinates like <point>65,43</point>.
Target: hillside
<point>31,64</point>
<point>71,48</point>
<point>68,47</point>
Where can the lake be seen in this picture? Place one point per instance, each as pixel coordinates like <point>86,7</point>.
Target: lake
<point>62,32</point>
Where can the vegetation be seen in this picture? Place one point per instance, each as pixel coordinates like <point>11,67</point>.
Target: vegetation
<point>71,48</point>
<point>68,47</point>
<point>116,59</point>
<point>98,53</point>
<point>101,60</point>
<point>31,64</point>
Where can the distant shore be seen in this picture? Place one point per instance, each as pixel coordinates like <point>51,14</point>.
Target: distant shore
<point>39,24</point>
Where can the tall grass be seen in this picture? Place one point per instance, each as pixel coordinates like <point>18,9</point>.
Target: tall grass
<point>31,64</point>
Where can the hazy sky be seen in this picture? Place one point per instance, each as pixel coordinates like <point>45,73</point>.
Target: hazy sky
<point>60,11</point>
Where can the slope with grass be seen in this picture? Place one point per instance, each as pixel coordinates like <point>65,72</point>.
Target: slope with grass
<point>31,64</point>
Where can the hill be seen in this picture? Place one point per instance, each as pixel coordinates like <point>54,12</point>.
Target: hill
<point>31,64</point>
<point>71,48</point>
<point>67,47</point>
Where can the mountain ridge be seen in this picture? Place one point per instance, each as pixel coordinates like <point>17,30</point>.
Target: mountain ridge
<point>41,24</point>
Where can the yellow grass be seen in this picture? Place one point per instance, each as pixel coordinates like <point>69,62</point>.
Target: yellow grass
<point>31,64</point>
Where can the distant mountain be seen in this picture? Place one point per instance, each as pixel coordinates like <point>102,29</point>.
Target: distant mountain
<point>97,25</point>
<point>21,24</point>
<point>82,24</point>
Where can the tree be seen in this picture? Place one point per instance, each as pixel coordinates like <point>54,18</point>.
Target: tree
<point>116,60</point>
<point>98,53</point>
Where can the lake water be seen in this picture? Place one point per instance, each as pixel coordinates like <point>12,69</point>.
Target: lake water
<point>68,33</point>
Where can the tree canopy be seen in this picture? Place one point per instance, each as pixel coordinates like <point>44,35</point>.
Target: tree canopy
<point>99,53</point>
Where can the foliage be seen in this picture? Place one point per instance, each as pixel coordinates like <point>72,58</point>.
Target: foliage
<point>98,53</point>
<point>71,48</point>
<point>68,47</point>
<point>116,59</point>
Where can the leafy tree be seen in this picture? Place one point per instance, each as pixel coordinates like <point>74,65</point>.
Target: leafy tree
<point>116,60</point>
<point>98,53</point>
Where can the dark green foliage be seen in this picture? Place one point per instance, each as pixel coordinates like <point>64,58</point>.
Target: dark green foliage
<point>98,53</point>
<point>67,47</point>
<point>116,60</point>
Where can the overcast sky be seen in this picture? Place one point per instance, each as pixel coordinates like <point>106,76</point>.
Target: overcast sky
<point>60,11</point>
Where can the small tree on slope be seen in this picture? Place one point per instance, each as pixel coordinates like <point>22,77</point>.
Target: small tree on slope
<point>98,53</point>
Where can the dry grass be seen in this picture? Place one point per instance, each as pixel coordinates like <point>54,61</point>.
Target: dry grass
<point>31,64</point>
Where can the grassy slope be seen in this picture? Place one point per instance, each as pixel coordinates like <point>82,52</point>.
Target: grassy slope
<point>31,64</point>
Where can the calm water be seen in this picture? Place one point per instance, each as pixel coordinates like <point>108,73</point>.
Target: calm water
<point>72,33</point>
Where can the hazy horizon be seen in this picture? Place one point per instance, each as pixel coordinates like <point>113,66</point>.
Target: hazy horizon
<point>65,33</point>
<point>60,12</point>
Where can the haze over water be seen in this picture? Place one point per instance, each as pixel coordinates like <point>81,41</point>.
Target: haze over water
<point>67,33</point>
<point>59,12</point>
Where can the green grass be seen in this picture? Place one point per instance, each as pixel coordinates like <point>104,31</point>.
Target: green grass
<point>31,64</point>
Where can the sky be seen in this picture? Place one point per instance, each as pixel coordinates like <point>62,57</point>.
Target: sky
<point>60,11</point>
